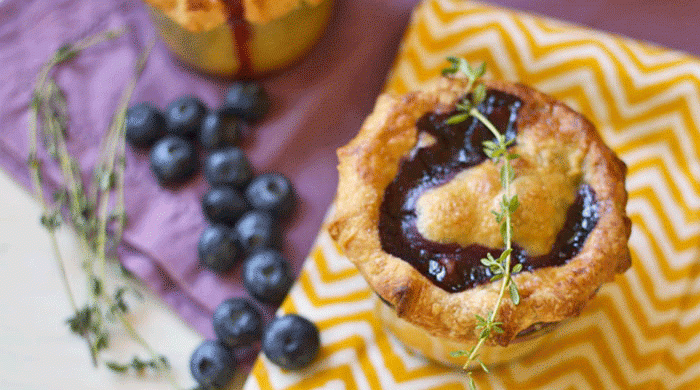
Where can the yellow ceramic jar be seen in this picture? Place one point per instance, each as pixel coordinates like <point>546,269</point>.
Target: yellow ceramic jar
<point>240,38</point>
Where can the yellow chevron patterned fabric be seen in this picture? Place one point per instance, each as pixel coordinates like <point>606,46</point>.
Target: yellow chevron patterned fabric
<point>643,330</point>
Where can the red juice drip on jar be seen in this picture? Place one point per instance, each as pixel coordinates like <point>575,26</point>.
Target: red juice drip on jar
<point>241,35</point>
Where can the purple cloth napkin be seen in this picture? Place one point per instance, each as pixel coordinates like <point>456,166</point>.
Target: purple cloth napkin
<point>317,105</point>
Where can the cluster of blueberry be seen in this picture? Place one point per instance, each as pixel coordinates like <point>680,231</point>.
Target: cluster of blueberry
<point>290,341</point>
<point>244,213</point>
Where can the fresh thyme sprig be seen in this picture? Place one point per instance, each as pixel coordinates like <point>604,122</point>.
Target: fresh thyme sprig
<point>497,151</point>
<point>96,213</point>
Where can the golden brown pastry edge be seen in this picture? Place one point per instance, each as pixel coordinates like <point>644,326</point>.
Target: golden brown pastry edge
<point>369,162</point>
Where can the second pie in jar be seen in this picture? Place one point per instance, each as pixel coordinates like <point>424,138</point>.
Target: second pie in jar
<point>240,38</point>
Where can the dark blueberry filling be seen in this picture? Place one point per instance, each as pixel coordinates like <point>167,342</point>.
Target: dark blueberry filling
<point>453,267</point>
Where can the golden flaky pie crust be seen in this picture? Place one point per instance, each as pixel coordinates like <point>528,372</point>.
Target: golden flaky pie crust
<point>203,15</point>
<point>369,162</point>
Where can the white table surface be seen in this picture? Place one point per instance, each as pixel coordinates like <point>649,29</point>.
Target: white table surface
<point>37,349</point>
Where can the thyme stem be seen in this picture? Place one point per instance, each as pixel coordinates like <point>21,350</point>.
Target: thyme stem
<point>507,240</point>
<point>500,267</point>
<point>110,174</point>
<point>44,90</point>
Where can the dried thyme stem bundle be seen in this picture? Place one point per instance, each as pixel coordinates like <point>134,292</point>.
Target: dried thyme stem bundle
<point>97,213</point>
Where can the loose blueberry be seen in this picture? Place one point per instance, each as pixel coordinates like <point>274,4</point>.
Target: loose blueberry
<point>173,160</point>
<point>184,116</point>
<point>247,100</point>
<point>258,229</point>
<point>212,364</point>
<point>144,125</point>
<point>291,341</point>
<point>218,248</point>
<point>237,322</point>
<point>272,192</point>
<point>224,205</point>
<point>219,129</point>
<point>228,166</point>
<point>266,276</point>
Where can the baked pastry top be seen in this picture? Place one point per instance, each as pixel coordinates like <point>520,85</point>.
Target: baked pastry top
<point>415,199</point>
<point>203,15</point>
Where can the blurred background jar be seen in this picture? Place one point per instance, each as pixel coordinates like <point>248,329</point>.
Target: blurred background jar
<point>240,38</point>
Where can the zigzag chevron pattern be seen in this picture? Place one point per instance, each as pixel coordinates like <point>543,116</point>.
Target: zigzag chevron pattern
<point>643,330</point>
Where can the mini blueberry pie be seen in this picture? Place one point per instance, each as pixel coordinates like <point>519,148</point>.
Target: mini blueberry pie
<point>414,213</point>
